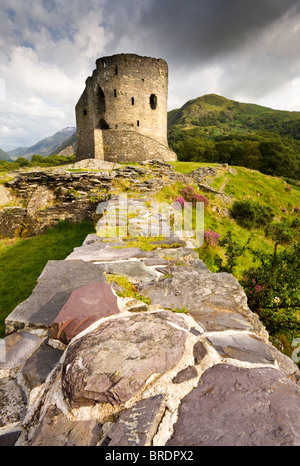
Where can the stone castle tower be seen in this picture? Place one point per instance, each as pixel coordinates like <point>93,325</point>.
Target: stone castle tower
<point>122,113</point>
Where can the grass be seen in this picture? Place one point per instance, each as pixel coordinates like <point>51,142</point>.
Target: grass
<point>188,167</point>
<point>23,260</point>
<point>128,289</point>
<point>246,184</point>
<point>144,243</point>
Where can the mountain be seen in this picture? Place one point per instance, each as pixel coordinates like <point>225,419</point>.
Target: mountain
<point>44,147</point>
<point>4,156</point>
<point>68,147</point>
<point>216,115</point>
<point>213,128</point>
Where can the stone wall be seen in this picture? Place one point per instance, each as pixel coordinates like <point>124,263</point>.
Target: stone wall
<point>118,346</point>
<point>126,93</point>
<point>37,199</point>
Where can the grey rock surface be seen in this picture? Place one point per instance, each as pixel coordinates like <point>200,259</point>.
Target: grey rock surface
<point>216,301</point>
<point>12,402</point>
<point>245,347</point>
<point>54,287</point>
<point>240,407</point>
<point>138,425</point>
<point>40,364</point>
<point>56,430</point>
<point>17,348</point>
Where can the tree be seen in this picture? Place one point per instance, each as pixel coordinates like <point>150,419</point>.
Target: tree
<point>22,162</point>
<point>277,159</point>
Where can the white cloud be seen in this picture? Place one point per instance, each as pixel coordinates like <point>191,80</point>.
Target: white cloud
<point>44,70</point>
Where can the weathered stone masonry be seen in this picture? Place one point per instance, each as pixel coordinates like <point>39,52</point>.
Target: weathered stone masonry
<point>122,113</point>
<point>84,366</point>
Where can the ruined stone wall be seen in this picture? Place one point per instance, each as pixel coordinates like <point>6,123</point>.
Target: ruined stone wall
<point>125,93</point>
<point>196,367</point>
<point>133,147</point>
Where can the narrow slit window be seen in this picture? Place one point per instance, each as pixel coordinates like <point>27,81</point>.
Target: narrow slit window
<point>153,101</point>
<point>116,70</point>
<point>115,92</point>
<point>85,112</point>
<point>132,100</point>
<point>138,123</point>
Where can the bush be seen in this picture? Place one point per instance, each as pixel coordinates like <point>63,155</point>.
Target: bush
<point>250,214</point>
<point>273,290</point>
<point>188,194</point>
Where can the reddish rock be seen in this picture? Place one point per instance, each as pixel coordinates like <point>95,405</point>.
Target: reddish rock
<point>85,306</point>
<point>112,363</point>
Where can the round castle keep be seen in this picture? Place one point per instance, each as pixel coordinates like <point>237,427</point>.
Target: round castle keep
<point>122,113</point>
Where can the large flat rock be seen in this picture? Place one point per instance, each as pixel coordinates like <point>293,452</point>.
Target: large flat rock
<point>232,406</point>
<point>95,252</point>
<point>112,363</point>
<point>241,346</point>
<point>134,270</point>
<point>54,287</point>
<point>215,301</point>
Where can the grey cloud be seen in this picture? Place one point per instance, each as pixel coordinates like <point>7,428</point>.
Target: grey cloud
<point>193,30</point>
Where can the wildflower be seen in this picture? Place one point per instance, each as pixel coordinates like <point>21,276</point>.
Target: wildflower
<point>211,237</point>
<point>179,200</point>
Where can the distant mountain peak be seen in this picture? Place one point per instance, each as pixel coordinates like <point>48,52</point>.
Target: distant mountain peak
<point>44,147</point>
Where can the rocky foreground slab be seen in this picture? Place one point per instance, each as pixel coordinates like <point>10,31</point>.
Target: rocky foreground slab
<point>119,346</point>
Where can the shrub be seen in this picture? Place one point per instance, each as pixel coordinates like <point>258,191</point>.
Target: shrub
<point>250,214</point>
<point>273,290</point>
<point>188,194</point>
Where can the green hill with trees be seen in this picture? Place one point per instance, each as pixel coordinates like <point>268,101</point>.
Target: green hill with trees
<point>212,128</point>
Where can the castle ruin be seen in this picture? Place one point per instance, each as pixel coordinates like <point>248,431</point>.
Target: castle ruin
<point>122,114</point>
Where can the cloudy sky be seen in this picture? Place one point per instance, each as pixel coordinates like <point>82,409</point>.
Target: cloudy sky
<point>247,50</point>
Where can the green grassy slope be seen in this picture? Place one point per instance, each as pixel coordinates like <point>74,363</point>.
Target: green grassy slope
<point>215,115</point>
<point>212,128</point>
<point>245,184</point>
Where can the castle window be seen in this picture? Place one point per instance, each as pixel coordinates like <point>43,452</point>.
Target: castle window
<point>100,100</point>
<point>115,92</point>
<point>116,70</point>
<point>138,123</point>
<point>153,101</point>
<point>85,112</point>
<point>102,124</point>
<point>132,100</point>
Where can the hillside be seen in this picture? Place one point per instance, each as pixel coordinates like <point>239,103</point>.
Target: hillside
<point>44,147</point>
<point>212,128</point>
<point>68,147</point>
<point>4,156</point>
<point>218,115</point>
